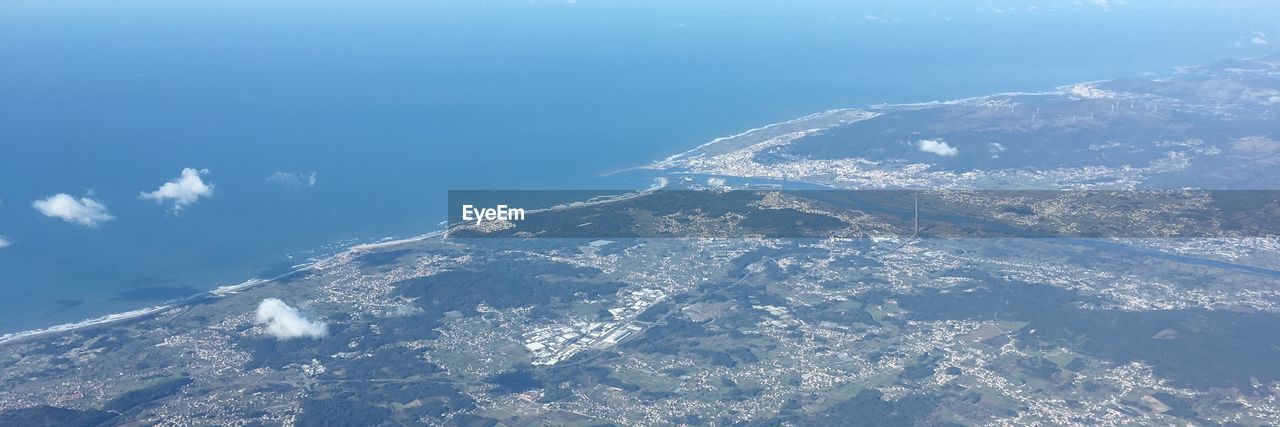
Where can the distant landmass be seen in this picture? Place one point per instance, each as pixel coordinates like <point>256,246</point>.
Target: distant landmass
<point>1208,127</point>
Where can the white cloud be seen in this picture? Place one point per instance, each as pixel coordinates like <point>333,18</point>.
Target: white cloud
<point>184,190</point>
<point>84,211</point>
<point>881,18</point>
<point>407,310</point>
<point>5,242</point>
<point>937,146</point>
<point>1259,39</point>
<point>1106,4</point>
<point>293,180</point>
<point>284,322</point>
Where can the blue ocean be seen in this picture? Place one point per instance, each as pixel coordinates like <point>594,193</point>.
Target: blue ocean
<point>324,124</point>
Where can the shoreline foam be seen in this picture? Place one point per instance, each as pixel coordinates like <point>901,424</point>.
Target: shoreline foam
<point>229,290</point>
<point>218,292</point>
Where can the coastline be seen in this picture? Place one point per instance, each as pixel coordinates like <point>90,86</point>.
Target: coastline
<point>228,290</point>
<point>319,264</point>
<point>666,163</point>
<point>661,182</point>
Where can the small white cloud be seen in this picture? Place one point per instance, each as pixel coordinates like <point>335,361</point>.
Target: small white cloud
<point>881,18</point>
<point>937,146</point>
<point>284,322</point>
<point>184,190</point>
<point>83,211</point>
<point>1259,39</point>
<point>403,310</point>
<point>995,147</point>
<point>1106,4</point>
<point>1089,92</point>
<point>293,180</point>
<point>5,242</point>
